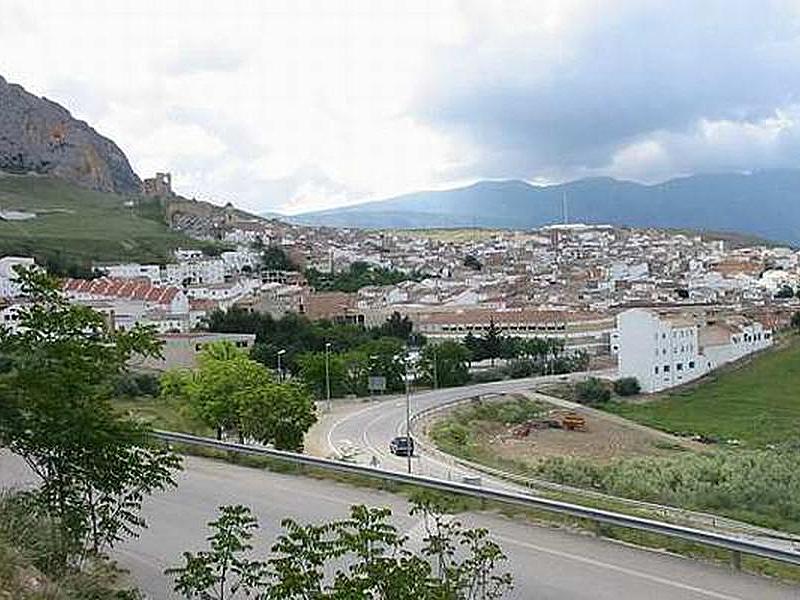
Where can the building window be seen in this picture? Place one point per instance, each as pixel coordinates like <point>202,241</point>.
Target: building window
<point>198,347</point>
<point>656,369</point>
<point>679,366</point>
<point>666,368</point>
<point>691,364</point>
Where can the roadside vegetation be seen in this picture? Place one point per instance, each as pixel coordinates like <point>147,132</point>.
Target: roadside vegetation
<point>756,486</point>
<point>356,353</point>
<point>93,467</point>
<point>373,559</point>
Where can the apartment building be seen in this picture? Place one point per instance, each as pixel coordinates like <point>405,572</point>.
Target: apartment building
<point>579,330</point>
<point>663,348</point>
<point>180,350</point>
<point>9,288</point>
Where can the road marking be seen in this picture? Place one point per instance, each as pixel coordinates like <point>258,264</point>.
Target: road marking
<point>341,420</point>
<point>623,570</point>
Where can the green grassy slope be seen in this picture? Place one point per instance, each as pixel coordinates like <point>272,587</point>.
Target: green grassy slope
<point>80,225</point>
<point>758,404</point>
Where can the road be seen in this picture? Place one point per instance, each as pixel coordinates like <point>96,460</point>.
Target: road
<point>548,564</point>
<point>366,431</point>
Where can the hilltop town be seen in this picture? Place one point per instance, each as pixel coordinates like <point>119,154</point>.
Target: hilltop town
<point>566,281</point>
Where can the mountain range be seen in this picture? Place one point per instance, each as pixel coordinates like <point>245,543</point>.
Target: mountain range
<point>761,203</point>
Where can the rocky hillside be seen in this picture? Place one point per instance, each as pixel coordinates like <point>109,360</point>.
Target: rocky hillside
<point>40,136</point>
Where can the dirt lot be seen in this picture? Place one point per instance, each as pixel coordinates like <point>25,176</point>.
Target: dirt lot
<point>602,440</point>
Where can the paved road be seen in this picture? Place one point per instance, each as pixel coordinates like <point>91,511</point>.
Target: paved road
<point>366,431</point>
<point>548,564</point>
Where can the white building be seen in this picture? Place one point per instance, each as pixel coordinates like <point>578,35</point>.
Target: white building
<point>9,288</point>
<point>662,349</point>
<point>133,271</point>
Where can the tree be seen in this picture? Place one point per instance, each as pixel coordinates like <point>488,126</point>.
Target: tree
<point>796,321</point>
<point>273,258</point>
<point>491,343</point>
<point>786,291</point>
<point>56,413</point>
<point>279,414</point>
<point>222,571</point>
<point>592,391</point>
<point>472,262</point>
<point>627,386</point>
<point>368,556</point>
<point>231,392</point>
<point>445,364</point>
<point>316,377</point>
<point>397,326</point>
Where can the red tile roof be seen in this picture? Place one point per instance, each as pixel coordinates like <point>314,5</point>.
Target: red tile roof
<point>134,289</point>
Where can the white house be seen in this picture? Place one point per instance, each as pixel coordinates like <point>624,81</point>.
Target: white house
<point>663,349</point>
<point>9,288</point>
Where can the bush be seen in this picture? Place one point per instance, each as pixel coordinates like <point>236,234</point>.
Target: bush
<point>132,385</point>
<point>756,486</point>
<point>487,376</point>
<point>522,367</point>
<point>627,386</point>
<point>592,391</point>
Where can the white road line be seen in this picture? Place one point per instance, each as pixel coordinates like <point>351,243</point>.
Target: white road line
<point>340,421</point>
<point>618,569</point>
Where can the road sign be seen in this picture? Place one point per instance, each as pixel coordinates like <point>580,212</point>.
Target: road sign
<point>377,383</point>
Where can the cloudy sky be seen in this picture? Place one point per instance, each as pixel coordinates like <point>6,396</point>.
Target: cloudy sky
<point>297,105</point>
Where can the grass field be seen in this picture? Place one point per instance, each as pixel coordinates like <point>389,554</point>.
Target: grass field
<point>757,404</point>
<point>80,225</point>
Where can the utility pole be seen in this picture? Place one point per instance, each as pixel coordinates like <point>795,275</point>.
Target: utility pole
<point>408,418</point>
<point>328,374</point>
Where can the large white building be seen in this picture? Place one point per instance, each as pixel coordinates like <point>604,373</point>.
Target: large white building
<point>665,348</point>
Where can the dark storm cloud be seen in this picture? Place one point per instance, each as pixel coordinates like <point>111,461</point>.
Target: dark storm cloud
<point>652,69</point>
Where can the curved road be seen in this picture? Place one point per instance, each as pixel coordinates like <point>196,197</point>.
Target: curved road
<point>365,432</point>
<point>548,564</point>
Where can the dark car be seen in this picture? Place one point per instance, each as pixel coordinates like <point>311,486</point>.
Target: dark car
<point>402,446</point>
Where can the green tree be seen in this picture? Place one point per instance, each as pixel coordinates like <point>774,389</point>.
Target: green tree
<point>231,392</point>
<point>592,391</point>
<point>397,326</point>
<point>491,343</point>
<point>472,262</point>
<point>445,362</point>
<point>627,386</point>
<point>786,291</point>
<point>371,559</point>
<point>278,413</point>
<point>795,322</point>
<point>224,569</point>
<point>274,258</point>
<point>56,413</point>
<point>313,373</point>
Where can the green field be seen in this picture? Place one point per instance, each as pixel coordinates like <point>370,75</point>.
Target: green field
<point>79,225</point>
<point>757,404</point>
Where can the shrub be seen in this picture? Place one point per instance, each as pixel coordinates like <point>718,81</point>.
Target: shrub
<point>487,376</point>
<point>592,391</point>
<point>627,386</point>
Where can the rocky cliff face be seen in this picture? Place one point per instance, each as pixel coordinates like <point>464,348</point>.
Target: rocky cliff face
<point>41,136</point>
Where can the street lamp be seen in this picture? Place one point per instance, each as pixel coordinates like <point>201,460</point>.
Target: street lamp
<point>280,370</point>
<point>328,373</point>
<point>435,368</point>
<point>408,419</point>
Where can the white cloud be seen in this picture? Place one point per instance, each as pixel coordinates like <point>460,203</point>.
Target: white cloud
<point>304,104</point>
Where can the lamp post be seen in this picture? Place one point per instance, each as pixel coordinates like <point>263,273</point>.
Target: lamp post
<point>435,368</point>
<point>280,370</point>
<point>408,417</point>
<point>328,374</point>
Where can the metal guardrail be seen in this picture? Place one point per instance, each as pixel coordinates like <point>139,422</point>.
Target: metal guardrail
<point>537,484</point>
<point>731,543</point>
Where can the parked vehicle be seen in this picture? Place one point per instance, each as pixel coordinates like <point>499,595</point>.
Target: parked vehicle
<point>402,446</point>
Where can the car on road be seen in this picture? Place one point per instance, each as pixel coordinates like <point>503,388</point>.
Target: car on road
<point>402,446</point>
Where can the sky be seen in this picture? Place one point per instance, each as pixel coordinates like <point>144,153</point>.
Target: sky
<point>301,105</point>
